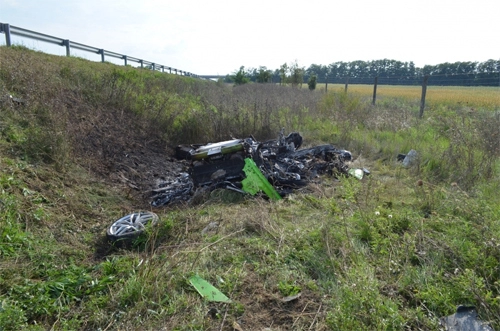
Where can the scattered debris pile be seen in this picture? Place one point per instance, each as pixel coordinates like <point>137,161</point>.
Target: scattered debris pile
<point>275,167</point>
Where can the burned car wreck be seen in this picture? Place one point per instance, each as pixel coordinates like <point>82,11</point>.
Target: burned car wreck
<point>275,167</point>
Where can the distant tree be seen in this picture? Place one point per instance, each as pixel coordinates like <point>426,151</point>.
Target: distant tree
<point>338,71</point>
<point>276,76</point>
<point>240,77</point>
<point>394,73</point>
<point>318,70</point>
<point>264,75</point>
<point>312,82</point>
<point>488,73</point>
<point>296,74</point>
<point>252,74</point>
<point>283,73</point>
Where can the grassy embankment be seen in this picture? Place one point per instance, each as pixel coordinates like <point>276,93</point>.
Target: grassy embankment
<point>394,251</point>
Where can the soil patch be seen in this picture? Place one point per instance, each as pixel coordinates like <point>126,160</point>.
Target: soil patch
<point>124,151</point>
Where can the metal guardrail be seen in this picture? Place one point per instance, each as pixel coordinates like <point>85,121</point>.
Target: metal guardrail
<point>10,30</point>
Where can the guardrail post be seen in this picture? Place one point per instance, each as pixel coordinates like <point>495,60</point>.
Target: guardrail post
<point>142,63</point>
<point>67,43</point>
<point>125,59</point>
<point>101,51</point>
<point>5,28</point>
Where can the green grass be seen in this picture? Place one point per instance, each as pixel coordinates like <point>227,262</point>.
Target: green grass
<point>397,250</point>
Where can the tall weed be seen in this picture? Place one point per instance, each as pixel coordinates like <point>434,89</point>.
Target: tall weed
<point>471,155</point>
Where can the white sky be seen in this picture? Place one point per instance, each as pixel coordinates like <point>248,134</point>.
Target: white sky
<point>219,36</point>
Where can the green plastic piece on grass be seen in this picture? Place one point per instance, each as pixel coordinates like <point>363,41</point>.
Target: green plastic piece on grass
<point>255,181</point>
<point>207,290</point>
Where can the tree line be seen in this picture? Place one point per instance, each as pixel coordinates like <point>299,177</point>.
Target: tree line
<point>387,71</point>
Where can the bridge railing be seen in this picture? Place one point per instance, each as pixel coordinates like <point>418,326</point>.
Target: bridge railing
<point>10,30</point>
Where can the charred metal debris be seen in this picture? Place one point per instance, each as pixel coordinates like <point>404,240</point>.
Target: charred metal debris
<point>275,167</point>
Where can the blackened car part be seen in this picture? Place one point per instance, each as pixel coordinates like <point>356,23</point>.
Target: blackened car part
<point>180,189</point>
<point>296,168</point>
<point>203,173</point>
<point>216,165</point>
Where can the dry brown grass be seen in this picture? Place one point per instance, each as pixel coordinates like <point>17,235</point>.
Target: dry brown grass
<point>458,96</point>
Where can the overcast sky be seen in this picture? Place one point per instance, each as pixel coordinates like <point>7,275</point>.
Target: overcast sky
<point>219,36</point>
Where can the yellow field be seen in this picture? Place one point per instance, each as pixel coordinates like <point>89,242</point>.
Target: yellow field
<point>480,97</point>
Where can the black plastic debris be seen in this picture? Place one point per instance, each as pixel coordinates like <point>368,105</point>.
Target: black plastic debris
<point>465,319</point>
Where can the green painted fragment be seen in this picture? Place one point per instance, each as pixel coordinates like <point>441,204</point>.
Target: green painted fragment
<point>255,181</point>
<point>207,290</point>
